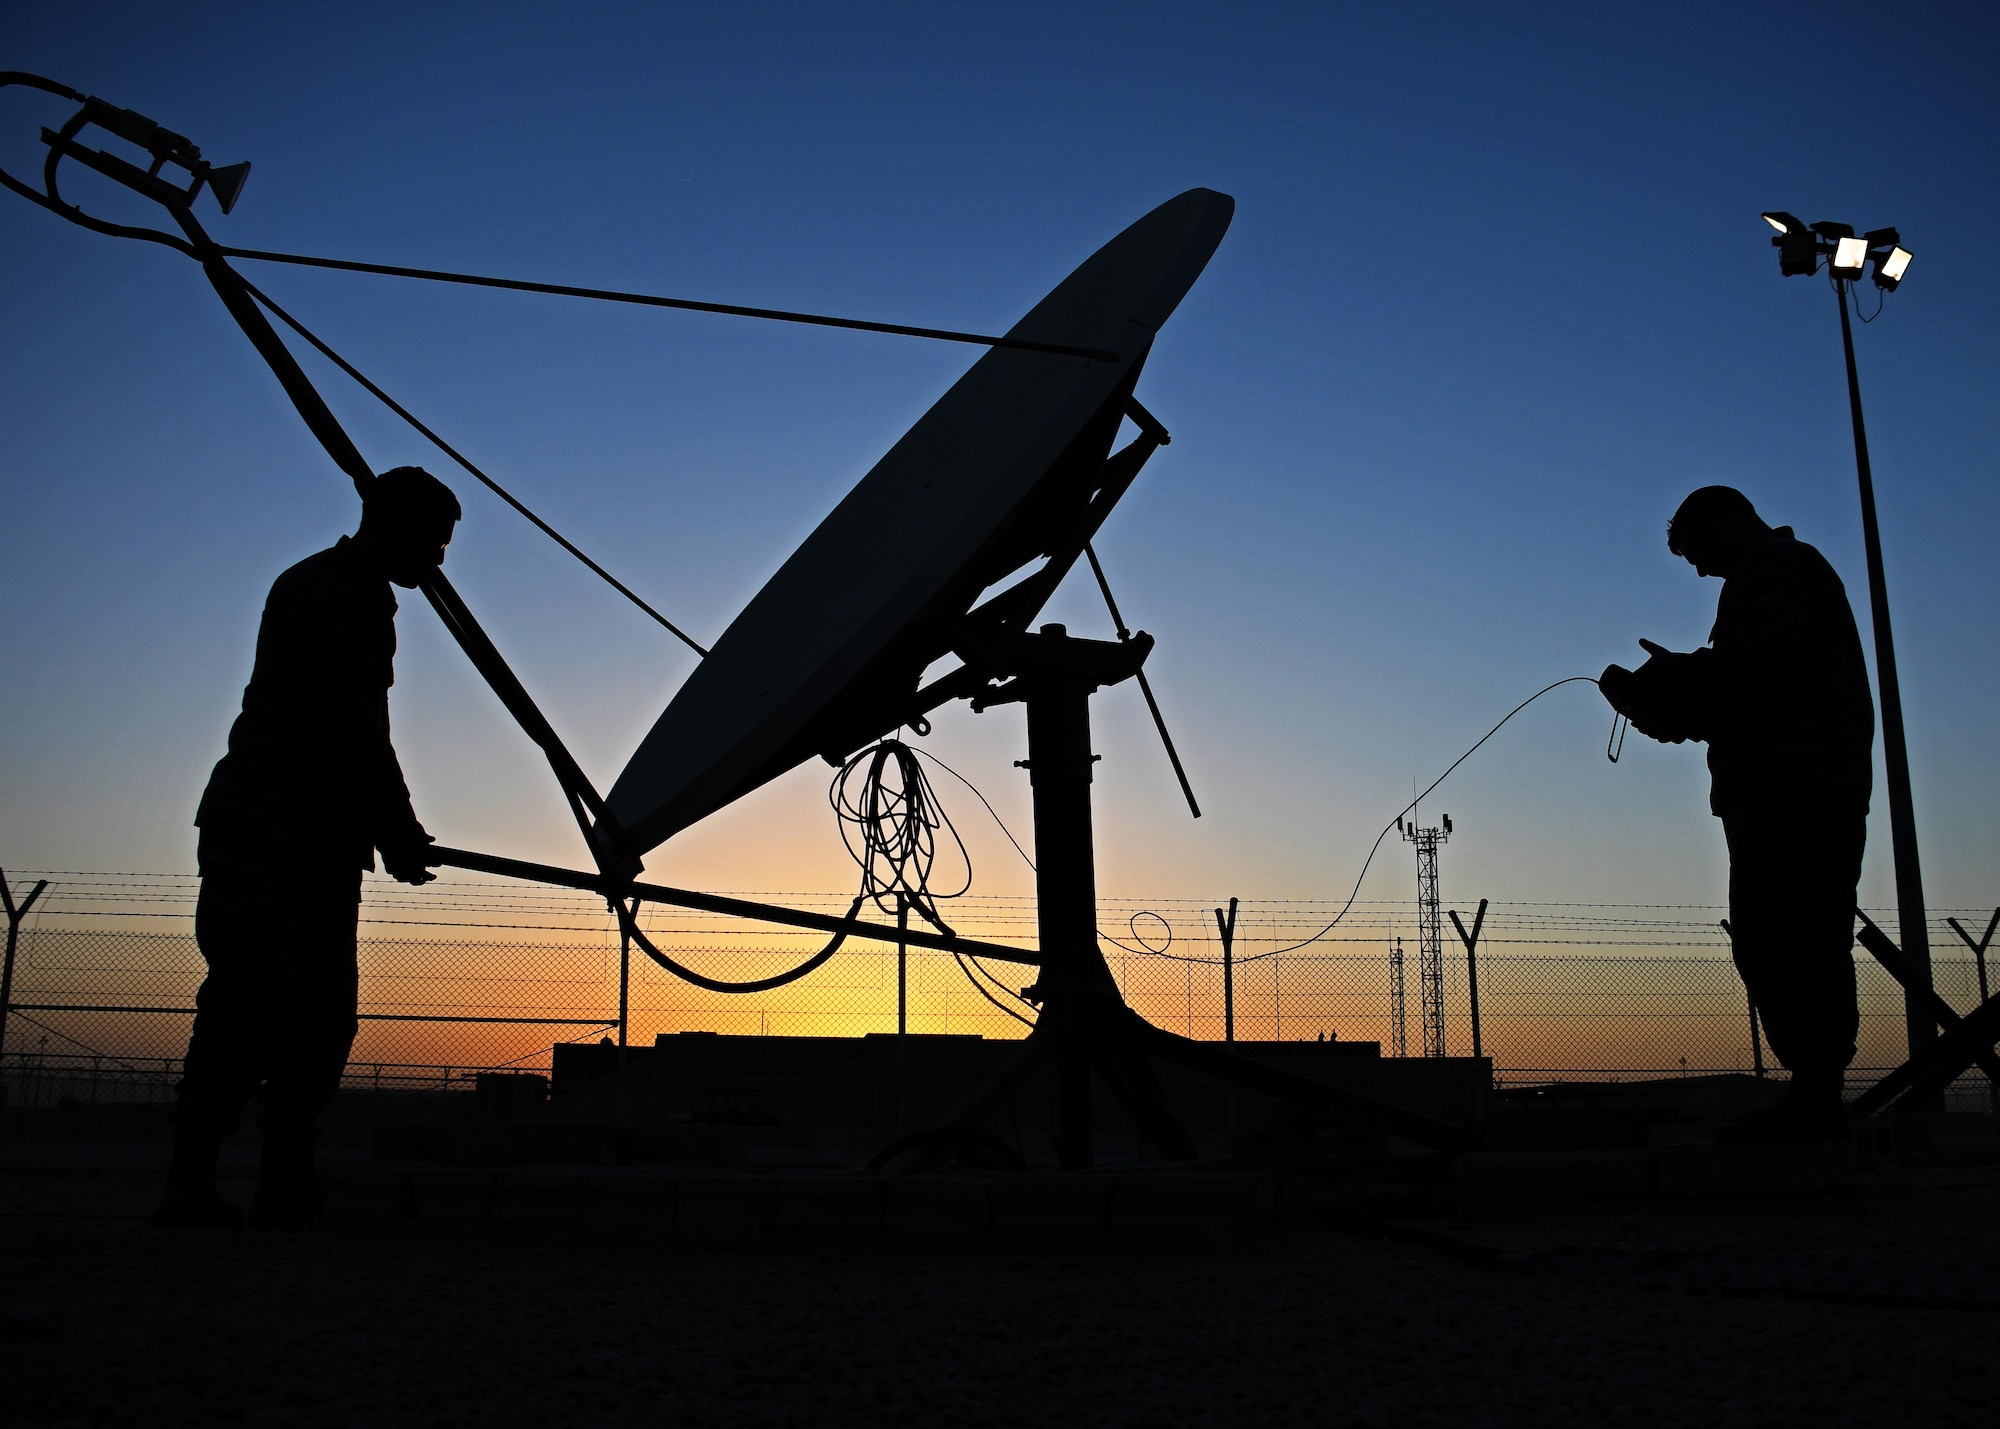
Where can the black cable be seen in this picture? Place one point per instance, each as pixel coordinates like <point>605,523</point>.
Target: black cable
<point>608,295</point>
<point>449,450</point>
<point>891,827</point>
<point>629,921</point>
<point>1373,848</point>
<point>980,988</point>
<point>925,753</point>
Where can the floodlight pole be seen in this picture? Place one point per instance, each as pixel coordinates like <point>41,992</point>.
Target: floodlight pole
<point>1910,916</point>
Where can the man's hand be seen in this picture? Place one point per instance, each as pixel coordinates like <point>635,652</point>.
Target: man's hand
<point>405,862</point>
<point>1615,684</point>
<point>1653,697</point>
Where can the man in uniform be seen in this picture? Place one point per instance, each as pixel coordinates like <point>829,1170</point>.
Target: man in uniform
<point>292,815</point>
<point>1781,696</point>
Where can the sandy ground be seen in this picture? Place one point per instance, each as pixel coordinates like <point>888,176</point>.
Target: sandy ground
<point>109,1323</point>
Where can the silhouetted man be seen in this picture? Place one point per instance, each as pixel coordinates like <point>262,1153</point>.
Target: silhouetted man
<point>292,815</point>
<point>1781,697</point>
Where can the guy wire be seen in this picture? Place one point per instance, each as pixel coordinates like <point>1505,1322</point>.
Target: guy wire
<point>608,295</point>
<point>449,450</point>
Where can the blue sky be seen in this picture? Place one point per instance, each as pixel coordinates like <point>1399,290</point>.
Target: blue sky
<point>1495,298</point>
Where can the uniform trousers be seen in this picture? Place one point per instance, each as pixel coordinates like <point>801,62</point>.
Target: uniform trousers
<point>275,1017</point>
<point>1793,868</point>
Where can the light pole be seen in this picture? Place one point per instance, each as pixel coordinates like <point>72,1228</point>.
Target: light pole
<point>1801,247</point>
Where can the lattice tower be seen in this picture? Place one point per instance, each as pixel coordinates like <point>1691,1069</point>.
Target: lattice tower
<point>1430,937</point>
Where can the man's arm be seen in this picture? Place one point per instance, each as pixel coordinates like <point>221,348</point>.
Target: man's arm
<point>344,690</point>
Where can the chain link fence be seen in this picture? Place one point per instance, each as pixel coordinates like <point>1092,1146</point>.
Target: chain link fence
<point>466,975</point>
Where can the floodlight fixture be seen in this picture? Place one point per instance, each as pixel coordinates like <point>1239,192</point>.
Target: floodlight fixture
<point>1890,267</point>
<point>1802,245</point>
<point>1798,247</point>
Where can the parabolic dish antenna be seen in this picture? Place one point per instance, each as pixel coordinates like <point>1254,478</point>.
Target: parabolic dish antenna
<point>828,655</point>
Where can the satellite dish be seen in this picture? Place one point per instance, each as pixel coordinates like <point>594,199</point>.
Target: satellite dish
<point>828,655</point>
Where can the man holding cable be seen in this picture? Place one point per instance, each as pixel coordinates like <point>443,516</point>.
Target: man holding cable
<point>1780,695</point>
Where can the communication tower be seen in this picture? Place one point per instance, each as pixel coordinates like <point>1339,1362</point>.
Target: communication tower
<point>1430,933</point>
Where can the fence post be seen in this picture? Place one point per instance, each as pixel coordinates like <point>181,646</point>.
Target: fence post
<point>15,913</point>
<point>1471,941</point>
<point>1227,928</point>
<point>902,1011</point>
<point>624,983</point>
<point>1979,959</point>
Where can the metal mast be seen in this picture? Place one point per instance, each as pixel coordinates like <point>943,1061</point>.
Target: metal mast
<point>1430,934</point>
<point>1399,1040</point>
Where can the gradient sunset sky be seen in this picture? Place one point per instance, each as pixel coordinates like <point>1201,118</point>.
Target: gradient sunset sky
<point>1495,298</point>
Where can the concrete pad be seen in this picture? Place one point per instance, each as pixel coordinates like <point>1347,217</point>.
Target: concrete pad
<point>1817,1169</point>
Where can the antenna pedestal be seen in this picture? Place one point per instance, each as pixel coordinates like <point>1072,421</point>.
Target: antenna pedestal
<point>1083,1013</point>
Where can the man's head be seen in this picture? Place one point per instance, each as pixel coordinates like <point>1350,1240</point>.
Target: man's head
<point>1713,528</point>
<point>406,522</point>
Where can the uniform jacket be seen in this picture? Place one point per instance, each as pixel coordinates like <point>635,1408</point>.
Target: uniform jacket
<point>310,773</point>
<point>1781,691</point>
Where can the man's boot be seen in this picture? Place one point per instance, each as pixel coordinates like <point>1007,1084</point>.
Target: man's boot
<point>191,1202</point>
<point>289,1196</point>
